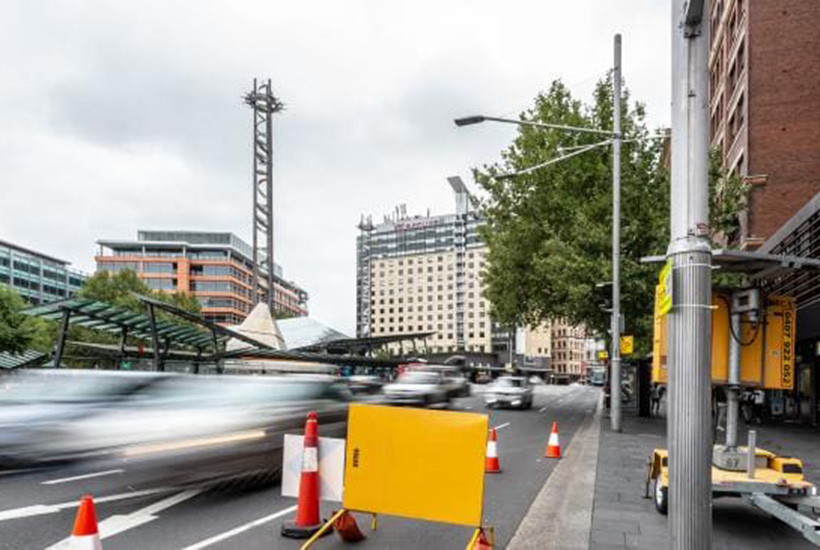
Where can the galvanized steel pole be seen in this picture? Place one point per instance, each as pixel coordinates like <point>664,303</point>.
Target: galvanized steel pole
<point>615,378</point>
<point>689,433</point>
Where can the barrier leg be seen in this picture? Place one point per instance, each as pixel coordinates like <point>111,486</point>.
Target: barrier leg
<point>374,523</point>
<point>473,539</point>
<point>308,543</point>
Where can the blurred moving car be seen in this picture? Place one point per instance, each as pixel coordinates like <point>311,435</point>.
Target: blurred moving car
<point>509,391</point>
<point>37,407</point>
<point>200,429</point>
<point>421,388</point>
<point>165,429</point>
<point>365,384</point>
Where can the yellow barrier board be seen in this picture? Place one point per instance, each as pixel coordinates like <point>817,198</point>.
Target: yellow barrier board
<point>416,463</point>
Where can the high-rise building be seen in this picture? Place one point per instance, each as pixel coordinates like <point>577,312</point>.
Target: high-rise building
<point>425,274</point>
<point>765,109</point>
<point>37,277</point>
<point>216,267</point>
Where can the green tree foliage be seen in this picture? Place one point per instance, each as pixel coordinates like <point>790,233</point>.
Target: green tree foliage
<point>549,231</point>
<point>727,198</point>
<point>122,288</point>
<point>19,332</point>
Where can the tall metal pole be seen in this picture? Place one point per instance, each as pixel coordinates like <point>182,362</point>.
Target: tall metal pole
<point>690,441</point>
<point>615,378</point>
<point>269,203</point>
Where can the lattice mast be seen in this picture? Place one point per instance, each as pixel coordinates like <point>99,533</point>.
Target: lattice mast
<point>264,105</point>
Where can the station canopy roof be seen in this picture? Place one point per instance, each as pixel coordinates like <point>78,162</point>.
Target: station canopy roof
<point>110,318</point>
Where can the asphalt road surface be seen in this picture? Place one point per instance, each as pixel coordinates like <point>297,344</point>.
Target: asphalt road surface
<point>37,508</point>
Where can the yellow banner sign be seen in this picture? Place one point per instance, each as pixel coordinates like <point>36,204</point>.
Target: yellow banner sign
<point>663,296</point>
<point>627,345</point>
<point>416,463</point>
<point>603,354</point>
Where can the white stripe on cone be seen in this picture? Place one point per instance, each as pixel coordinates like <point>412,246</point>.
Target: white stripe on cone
<point>310,459</point>
<point>553,442</point>
<point>84,542</point>
<point>492,450</point>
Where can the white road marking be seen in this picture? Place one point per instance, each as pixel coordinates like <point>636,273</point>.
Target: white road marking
<point>84,476</point>
<point>241,529</point>
<point>504,425</point>
<point>542,409</point>
<point>42,509</point>
<point>468,408</point>
<point>121,523</point>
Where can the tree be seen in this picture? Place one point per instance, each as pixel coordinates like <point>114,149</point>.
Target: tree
<point>19,332</point>
<point>549,232</point>
<point>121,289</point>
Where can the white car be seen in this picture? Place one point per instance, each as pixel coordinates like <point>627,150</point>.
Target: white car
<point>509,391</point>
<point>418,388</point>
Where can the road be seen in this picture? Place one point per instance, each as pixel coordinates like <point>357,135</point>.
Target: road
<point>37,508</point>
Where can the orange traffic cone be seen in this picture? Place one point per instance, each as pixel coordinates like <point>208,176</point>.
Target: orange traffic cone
<point>482,543</point>
<point>492,466</point>
<point>553,447</point>
<point>307,513</point>
<point>85,535</point>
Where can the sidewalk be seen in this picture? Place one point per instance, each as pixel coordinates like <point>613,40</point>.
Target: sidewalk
<point>622,518</point>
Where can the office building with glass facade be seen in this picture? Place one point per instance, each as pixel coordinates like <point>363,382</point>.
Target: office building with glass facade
<point>37,277</point>
<point>216,267</point>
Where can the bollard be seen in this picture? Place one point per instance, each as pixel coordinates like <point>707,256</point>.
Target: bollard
<point>752,454</point>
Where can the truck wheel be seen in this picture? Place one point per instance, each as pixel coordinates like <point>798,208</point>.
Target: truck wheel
<point>661,496</point>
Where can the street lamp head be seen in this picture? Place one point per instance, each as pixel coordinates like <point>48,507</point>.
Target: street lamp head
<point>467,120</point>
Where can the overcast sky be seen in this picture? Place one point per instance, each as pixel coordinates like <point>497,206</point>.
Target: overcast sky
<point>118,116</point>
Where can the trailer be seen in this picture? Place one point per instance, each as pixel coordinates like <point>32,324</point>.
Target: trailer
<point>752,347</point>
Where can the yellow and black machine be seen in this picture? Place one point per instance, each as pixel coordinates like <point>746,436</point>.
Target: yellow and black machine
<point>753,341</point>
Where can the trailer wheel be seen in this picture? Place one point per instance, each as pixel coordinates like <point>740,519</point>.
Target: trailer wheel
<point>661,496</point>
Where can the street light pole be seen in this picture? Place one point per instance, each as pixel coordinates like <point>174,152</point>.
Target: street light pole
<point>615,378</point>
<point>689,422</point>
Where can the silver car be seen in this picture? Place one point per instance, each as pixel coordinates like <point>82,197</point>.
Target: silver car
<point>509,391</point>
<point>418,388</point>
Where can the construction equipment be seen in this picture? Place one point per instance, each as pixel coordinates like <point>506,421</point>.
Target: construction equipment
<point>307,520</point>
<point>85,535</point>
<point>553,449</point>
<point>752,346</point>
<point>492,465</point>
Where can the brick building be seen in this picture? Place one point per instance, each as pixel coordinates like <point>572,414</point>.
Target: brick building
<point>216,267</point>
<point>765,105</point>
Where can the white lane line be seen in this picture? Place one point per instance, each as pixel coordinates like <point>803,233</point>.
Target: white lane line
<point>241,529</point>
<point>468,408</point>
<point>121,523</point>
<point>504,425</point>
<point>542,409</point>
<point>84,476</point>
<point>42,509</point>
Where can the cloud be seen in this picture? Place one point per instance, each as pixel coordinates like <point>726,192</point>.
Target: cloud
<point>126,115</point>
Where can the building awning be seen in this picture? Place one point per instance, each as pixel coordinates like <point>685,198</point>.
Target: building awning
<point>106,317</point>
<point>28,358</point>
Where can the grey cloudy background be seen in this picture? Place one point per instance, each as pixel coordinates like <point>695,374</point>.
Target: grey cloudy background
<point>116,116</point>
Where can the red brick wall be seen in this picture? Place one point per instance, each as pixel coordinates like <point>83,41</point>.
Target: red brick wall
<point>784,110</point>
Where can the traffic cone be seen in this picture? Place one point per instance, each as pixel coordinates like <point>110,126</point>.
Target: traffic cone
<point>85,535</point>
<point>492,466</point>
<point>482,543</point>
<point>307,520</point>
<point>553,447</point>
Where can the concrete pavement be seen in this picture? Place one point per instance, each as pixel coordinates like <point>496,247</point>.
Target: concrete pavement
<point>623,518</point>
